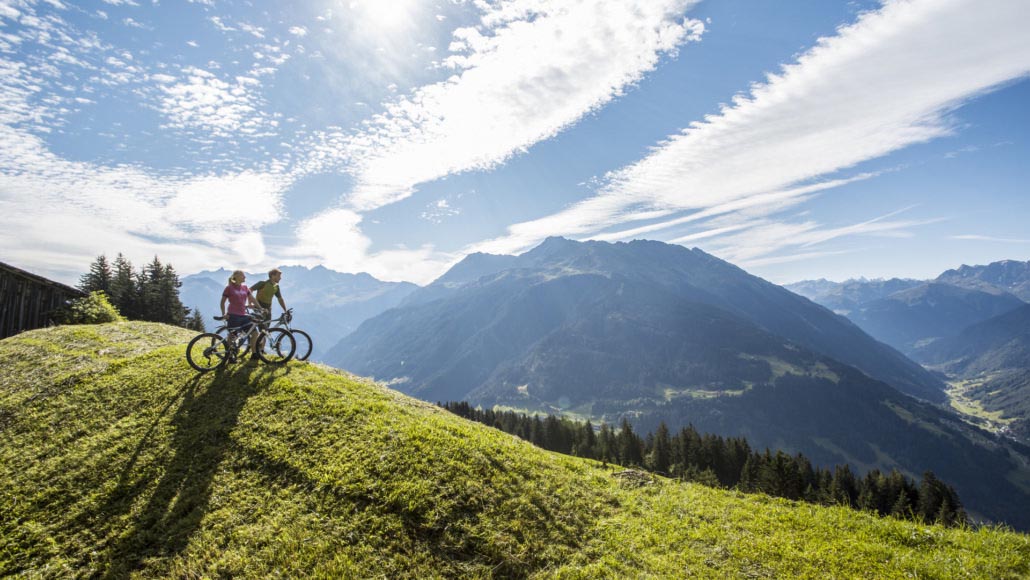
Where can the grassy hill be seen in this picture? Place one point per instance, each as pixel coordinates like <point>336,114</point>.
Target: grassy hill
<point>117,460</point>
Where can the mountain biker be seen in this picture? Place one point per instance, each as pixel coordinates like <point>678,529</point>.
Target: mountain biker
<point>266,289</point>
<point>238,296</point>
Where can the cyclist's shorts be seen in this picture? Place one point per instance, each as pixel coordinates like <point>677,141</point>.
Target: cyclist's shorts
<point>241,322</point>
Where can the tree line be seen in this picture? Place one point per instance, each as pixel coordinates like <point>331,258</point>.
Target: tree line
<point>151,293</point>
<point>731,463</point>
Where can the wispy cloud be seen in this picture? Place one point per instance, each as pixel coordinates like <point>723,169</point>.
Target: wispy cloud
<point>50,205</point>
<point>528,71</point>
<point>884,83</point>
<point>57,213</point>
<point>980,238</point>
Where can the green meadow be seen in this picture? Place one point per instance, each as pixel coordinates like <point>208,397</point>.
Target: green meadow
<point>118,460</point>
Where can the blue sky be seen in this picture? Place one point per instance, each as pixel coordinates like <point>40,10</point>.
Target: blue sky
<point>796,139</point>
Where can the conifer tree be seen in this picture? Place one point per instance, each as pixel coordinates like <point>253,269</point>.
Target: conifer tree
<point>170,308</point>
<point>99,277</point>
<point>606,449</point>
<point>843,489</point>
<point>195,321</point>
<point>930,496</point>
<point>588,441</point>
<point>123,288</point>
<point>661,457</point>
<point>902,507</point>
<point>749,474</point>
<point>630,452</point>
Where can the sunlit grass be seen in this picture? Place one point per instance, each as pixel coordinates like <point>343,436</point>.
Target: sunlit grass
<point>118,460</point>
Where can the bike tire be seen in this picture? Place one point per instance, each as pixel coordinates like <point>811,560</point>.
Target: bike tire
<point>277,347</point>
<point>207,352</point>
<point>304,344</point>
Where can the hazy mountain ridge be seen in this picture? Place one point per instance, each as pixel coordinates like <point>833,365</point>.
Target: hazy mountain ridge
<point>909,314</point>
<point>612,330</point>
<point>970,322</point>
<point>327,304</point>
<point>691,275</point>
<point>992,359</point>
<point>845,297</point>
<point>910,318</point>
<point>1012,276</point>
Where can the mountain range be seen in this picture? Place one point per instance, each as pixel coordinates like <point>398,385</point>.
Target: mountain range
<point>991,361</point>
<point>970,324</point>
<point>327,304</point>
<point>656,332</point>
<point>910,314</point>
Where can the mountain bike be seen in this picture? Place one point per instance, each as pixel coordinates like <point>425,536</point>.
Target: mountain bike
<point>213,350</point>
<point>302,338</point>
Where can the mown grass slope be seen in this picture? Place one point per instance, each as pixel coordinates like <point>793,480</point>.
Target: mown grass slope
<point>117,460</point>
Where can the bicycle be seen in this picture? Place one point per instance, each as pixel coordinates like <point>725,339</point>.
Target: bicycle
<point>303,339</point>
<point>211,350</point>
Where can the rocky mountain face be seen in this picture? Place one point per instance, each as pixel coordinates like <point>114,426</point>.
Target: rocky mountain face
<point>1010,276</point>
<point>327,304</point>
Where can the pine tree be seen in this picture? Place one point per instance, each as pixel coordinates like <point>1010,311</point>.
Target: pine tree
<point>588,447</point>
<point>99,277</point>
<point>749,474</point>
<point>843,488</point>
<point>902,507</point>
<point>606,447</point>
<point>124,291</point>
<point>149,281</point>
<point>195,321</point>
<point>630,452</point>
<point>661,456</point>
<point>931,494</point>
<point>171,308</point>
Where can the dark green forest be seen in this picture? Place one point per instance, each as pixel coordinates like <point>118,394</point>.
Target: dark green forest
<point>731,463</point>
<point>150,294</point>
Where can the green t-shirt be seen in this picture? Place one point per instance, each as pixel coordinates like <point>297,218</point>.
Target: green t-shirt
<point>265,290</point>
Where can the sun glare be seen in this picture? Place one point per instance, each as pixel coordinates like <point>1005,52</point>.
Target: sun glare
<point>384,16</point>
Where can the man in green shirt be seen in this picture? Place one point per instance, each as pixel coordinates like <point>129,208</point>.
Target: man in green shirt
<point>266,289</point>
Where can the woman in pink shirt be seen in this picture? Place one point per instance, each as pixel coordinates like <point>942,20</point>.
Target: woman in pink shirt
<point>238,295</point>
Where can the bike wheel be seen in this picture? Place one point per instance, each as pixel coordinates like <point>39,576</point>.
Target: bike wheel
<point>276,347</point>
<point>207,352</point>
<point>304,344</point>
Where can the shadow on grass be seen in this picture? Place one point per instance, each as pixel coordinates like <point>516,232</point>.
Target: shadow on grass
<point>208,410</point>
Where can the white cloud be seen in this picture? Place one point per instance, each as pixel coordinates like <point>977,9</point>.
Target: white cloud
<point>299,31</point>
<point>335,240</point>
<point>220,107</point>
<point>217,21</point>
<point>982,238</point>
<point>439,210</point>
<point>535,69</point>
<point>884,83</point>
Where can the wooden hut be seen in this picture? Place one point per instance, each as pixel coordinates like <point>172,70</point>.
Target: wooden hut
<point>27,300</point>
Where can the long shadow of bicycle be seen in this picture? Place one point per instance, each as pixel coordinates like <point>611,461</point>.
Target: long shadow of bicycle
<point>206,411</point>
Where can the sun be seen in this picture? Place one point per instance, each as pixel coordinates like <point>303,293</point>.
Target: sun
<point>384,16</point>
